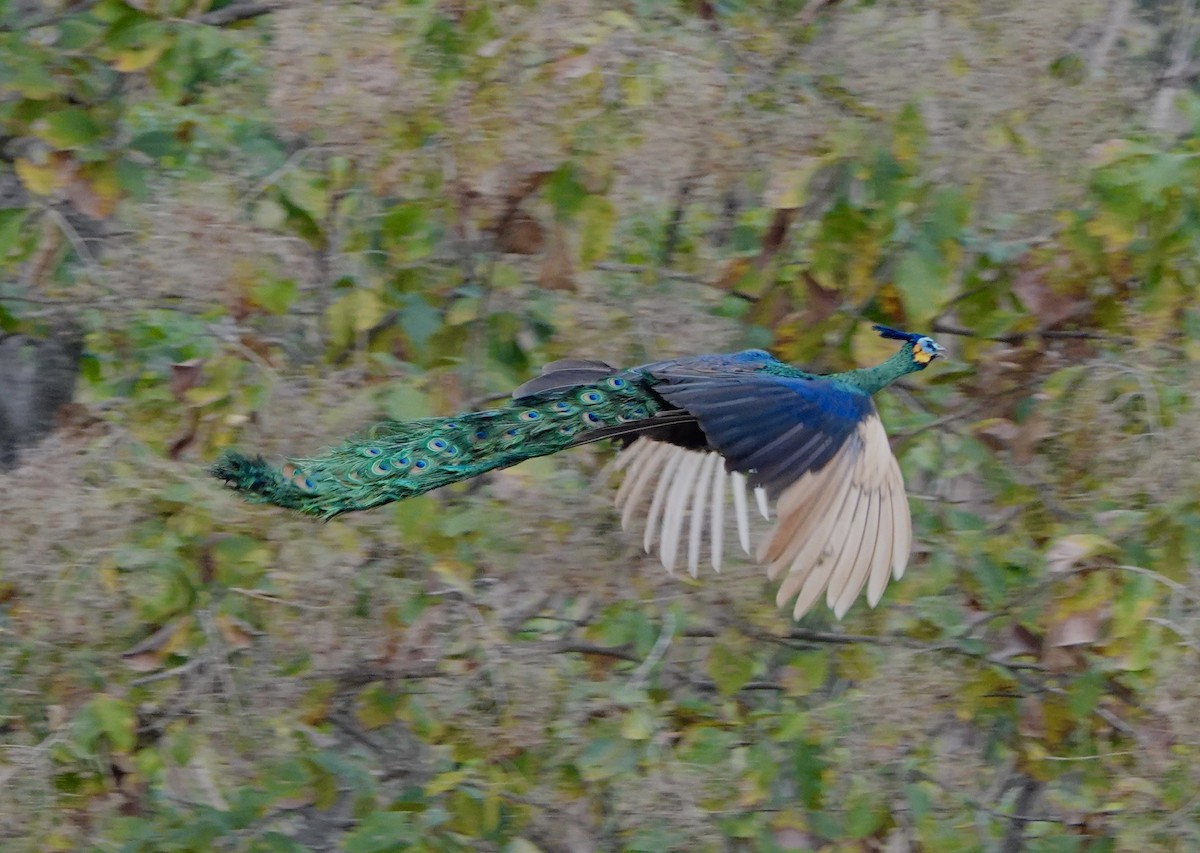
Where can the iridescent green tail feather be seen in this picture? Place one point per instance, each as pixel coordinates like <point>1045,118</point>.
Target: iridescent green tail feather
<point>397,460</point>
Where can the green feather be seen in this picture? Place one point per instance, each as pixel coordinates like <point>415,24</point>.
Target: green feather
<point>397,460</point>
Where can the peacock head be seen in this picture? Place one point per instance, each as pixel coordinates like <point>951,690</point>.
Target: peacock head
<point>924,348</point>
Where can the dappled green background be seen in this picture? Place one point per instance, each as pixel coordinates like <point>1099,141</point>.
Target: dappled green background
<point>279,221</point>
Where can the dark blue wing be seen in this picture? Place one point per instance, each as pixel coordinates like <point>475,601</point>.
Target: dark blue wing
<point>773,428</point>
<point>572,372</point>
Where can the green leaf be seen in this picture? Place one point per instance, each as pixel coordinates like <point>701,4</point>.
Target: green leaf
<point>11,220</point>
<point>864,813</point>
<point>131,178</point>
<point>606,758</point>
<point>109,717</point>
<point>381,832</point>
<point>307,191</point>
<point>908,134</point>
<point>419,320</point>
<point>69,128</point>
<point>377,705</point>
<point>920,280</point>
<point>730,665</point>
<point>808,767</point>
<point>920,799</point>
<point>23,71</point>
<point>276,295</point>
<point>565,190</point>
<point>407,231</point>
<point>157,144</point>
<point>596,229</point>
<point>276,842</point>
<point>353,314</point>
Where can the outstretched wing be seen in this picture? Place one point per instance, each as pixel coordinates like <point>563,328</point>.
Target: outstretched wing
<point>818,450</point>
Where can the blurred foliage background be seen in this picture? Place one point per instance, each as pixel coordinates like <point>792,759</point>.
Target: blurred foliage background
<point>273,222</point>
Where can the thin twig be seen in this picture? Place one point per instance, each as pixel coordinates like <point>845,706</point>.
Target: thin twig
<point>237,12</point>
<point>582,648</point>
<point>271,599</point>
<point>656,653</point>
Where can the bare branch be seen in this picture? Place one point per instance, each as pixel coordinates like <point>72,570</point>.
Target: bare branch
<point>237,12</point>
<point>1118,14</point>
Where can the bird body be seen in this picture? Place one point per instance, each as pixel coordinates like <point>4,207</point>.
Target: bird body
<point>696,430</point>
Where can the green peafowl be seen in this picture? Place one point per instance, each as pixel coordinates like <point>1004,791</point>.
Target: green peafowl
<point>695,430</point>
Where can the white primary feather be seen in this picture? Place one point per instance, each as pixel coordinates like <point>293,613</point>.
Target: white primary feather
<point>836,530</point>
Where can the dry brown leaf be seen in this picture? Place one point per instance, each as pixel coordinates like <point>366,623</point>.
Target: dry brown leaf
<point>996,433</point>
<point>574,66</point>
<point>238,633</point>
<point>1049,306</point>
<point>557,272</point>
<point>1077,629</point>
<point>520,234</point>
<point>185,375</point>
<point>822,302</point>
<point>1019,641</point>
<point>1069,551</point>
<point>776,236</point>
<point>149,654</point>
<point>733,273</point>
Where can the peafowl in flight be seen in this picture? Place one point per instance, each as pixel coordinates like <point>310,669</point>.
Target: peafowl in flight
<point>697,432</point>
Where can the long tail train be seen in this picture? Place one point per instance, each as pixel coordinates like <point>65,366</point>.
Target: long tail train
<point>397,460</point>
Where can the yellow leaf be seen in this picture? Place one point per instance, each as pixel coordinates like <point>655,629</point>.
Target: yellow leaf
<point>637,91</point>
<point>458,575</point>
<point>521,845</point>
<point>618,20</point>
<point>96,190</point>
<point>447,781</point>
<point>136,59</point>
<point>1070,551</point>
<point>1116,234</point>
<point>637,725</point>
<point>39,179</point>
<point>786,187</point>
<point>958,65</point>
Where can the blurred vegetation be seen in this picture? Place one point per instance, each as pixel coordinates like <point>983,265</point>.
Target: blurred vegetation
<point>279,221</point>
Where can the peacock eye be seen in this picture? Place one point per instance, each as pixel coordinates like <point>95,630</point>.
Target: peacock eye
<point>529,415</point>
<point>371,451</point>
<point>616,382</point>
<point>421,465</point>
<point>591,397</point>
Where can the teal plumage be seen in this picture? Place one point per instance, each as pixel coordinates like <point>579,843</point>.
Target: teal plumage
<point>695,430</point>
<point>396,460</point>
